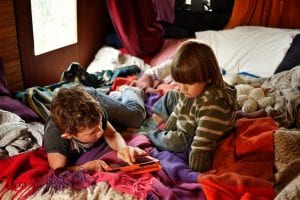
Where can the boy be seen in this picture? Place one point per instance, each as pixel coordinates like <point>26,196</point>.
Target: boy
<point>78,123</point>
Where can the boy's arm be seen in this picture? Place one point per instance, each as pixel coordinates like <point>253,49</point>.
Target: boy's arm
<point>117,143</point>
<point>113,138</point>
<point>57,160</point>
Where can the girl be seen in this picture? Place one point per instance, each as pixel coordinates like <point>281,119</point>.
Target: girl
<point>201,113</point>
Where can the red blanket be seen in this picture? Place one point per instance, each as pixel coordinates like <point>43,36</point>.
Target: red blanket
<point>243,163</point>
<point>19,172</point>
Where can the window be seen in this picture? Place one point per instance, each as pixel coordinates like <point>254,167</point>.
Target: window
<point>54,24</point>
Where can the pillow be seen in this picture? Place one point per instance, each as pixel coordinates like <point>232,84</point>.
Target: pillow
<point>109,58</point>
<point>3,84</point>
<point>292,57</point>
<point>256,50</point>
<point>13,105</point>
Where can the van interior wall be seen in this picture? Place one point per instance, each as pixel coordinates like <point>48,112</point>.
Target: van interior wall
<point>93,24</point>
<point>9,51</point>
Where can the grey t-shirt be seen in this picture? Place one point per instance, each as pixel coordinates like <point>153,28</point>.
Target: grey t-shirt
<point>71,148</point>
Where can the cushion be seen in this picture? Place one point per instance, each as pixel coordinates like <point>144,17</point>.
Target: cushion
<point>13,105</point>
<point>292,57</point>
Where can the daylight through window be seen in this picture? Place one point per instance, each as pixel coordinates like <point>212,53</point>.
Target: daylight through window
<point>54,24</point>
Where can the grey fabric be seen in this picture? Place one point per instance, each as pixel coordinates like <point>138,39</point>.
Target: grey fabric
<point>16,136</point>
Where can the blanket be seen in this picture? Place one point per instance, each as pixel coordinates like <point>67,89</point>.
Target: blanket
<point>243,163</point>
<point>284,88</point>
<point>39,98</point>
<point>23,173</point>
<point>17,136</point>
<point>233,176</point>
<point>287,163</point>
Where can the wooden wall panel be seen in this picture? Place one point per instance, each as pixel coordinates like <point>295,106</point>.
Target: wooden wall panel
<point>93,24</point>
<point>9,46</point>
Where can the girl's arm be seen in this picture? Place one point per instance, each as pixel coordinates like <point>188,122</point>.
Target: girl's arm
<point>160,71</point>
<point>117,143</point>
<point>213,120</point>
<point>154,76</point>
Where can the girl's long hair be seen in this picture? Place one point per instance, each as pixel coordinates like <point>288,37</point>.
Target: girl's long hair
<point>196,62</point>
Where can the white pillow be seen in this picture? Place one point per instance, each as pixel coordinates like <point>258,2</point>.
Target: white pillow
<point>109,58</point>
<point>253,49</point>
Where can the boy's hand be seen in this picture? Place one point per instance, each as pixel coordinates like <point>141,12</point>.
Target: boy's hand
<point>128,154</point>
<point>94,165</point>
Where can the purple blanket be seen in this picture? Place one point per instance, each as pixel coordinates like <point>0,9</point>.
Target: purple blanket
<point>174,181</point>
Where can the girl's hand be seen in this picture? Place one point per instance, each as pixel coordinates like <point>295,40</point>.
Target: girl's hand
<point>128,154</point>
<point>144,82</point>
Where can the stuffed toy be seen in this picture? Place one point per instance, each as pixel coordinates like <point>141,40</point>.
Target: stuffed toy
<point>251,99</point>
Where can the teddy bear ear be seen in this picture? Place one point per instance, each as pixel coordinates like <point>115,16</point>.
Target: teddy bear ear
<point>257,93</point>
<point>265,102</point>
<point>241,99</point>
<point>250,105</point>
<point>243,89</point>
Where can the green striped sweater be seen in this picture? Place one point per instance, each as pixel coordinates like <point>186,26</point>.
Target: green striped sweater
<point>206,118</point>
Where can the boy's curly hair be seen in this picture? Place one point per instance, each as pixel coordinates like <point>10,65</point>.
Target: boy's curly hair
<point>74,109</point>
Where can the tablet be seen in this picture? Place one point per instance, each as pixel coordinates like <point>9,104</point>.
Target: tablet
<point>141,165</point>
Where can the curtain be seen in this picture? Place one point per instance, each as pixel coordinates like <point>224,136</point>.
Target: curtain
<point>271,13</point>
<point>136,26</point>
<point>164,10</point>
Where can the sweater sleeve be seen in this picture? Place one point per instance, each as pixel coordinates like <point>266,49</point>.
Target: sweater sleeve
<point>213,120</point>
<point>160,72</point>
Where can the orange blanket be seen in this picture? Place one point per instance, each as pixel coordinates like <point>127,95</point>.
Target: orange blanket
<point>243,163</point>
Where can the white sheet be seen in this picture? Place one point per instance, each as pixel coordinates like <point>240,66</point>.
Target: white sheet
<point>252,49</point>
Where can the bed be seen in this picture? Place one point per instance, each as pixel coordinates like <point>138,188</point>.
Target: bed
<point>271,145</point>
<point>248,55</point>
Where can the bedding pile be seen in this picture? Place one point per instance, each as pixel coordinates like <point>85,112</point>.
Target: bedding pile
<point>269,144</point>
<point>175,181</point>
